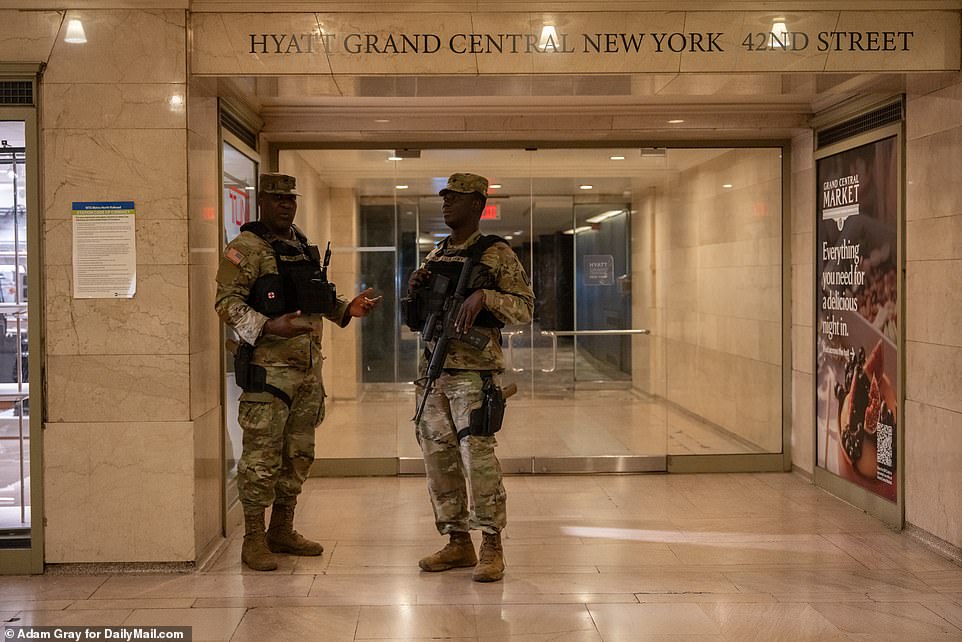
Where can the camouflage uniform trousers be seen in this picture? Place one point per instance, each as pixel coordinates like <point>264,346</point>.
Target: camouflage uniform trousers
<point>455,470</point>
<point>279,441</point>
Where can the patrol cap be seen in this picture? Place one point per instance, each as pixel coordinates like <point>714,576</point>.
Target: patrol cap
<point>281,184</point>
<point>466,184</point>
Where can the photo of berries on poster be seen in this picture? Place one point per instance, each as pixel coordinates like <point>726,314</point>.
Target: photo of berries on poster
<point>857,327</point>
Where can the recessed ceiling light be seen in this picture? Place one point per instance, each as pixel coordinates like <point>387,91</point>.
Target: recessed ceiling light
<point>616,158</point>
<point>728,186</point>
<point>392,157</point>
<point>675,121</point>
<point>508,237</point>
<point>519,233</point>
<point>495,186</point>
<point>381,120</point>
<point>586,187</point>
<point>400,187</point>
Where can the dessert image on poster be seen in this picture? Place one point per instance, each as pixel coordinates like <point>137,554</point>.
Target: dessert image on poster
<point>857,329</point>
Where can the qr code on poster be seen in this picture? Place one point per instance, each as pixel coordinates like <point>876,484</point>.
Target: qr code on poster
<point>884,438</point>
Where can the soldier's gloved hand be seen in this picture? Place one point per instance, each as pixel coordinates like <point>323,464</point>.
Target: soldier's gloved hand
<point>418,279</point>
<point>363,303</point>
<point>283,326</point>
<point>469,311</point>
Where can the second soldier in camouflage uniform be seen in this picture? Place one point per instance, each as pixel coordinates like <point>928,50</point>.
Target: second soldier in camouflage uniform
<point>464,476</point>
<point>279,421</point>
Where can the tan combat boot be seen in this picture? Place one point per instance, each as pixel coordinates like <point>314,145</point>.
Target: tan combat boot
<point>491,566</point>
<point>254,552</point>
<point>458,553</point>
<point>281,536</point>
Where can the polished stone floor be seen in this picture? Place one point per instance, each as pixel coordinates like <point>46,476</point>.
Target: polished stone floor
<point>590,558</point>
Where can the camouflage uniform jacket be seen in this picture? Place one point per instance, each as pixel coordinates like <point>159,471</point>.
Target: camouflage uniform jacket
<point>509,298</point>
<point>245,259</point>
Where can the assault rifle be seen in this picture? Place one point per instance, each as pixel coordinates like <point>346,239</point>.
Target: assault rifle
<point>439,327</point>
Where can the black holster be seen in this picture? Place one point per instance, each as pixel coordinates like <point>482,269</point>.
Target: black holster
<point>486,420</point>
<point>248,375</point>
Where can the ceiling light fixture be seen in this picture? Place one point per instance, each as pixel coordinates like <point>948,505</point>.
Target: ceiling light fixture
<point>676,121</point>
<point>400,187</point>
<point>616,158</point>
<point>508,237</point>
<point>604,216</point>
<point>75,32</point>
<point>586,187</point>
<point>779,35</point>
<point>578,230</point>
<point>549,38</point>
<point>728,186</point>
<point>494,186</point>
<point>392,157</point>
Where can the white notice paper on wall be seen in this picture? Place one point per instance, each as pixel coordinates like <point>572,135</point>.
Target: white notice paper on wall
<point>104,250</point>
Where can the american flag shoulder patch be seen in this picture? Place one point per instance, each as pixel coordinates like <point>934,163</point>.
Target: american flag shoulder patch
<point>234,256</point>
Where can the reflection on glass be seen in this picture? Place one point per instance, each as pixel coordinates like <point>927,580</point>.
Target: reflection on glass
<point>14,344</point>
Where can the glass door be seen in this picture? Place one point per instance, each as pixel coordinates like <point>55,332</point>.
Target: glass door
<point>656,329</point>
<point>239,206</point>
<point>19,462</point>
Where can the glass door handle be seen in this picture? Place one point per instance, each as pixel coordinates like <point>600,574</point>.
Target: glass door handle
<point>554,334</point>
<point>511,335</point>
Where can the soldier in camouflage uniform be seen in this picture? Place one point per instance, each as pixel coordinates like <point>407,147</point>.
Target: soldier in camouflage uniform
<point>501,292</point>
<point>279,422</point>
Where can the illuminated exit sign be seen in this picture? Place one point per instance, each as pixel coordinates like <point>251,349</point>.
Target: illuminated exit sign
<point>491,212</point>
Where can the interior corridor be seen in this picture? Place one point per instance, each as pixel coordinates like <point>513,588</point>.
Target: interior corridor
<point>590,558</point>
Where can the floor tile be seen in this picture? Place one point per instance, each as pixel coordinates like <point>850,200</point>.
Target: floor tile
<point>133,604</point>
<point>772,622</point>
<point>504,622</point>
<point>205,624</point>
<point>323,624</point>
<point>622,621</point>
<point>113,617</point>
<point>414,621</point>
<point>911,621</point>
<point>49,587</point>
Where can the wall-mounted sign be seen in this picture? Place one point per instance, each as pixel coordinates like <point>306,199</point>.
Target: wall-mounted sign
<point>491,212</point>
<point>104,250</point>
<point>477,43</point>
<point>856,338</point>
<point>599,269</point>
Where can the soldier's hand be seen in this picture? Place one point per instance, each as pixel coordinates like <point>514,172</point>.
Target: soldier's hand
<point>418,278</point>
<point>283,326</point>
<point>469,311</point>
<point>363,303</point>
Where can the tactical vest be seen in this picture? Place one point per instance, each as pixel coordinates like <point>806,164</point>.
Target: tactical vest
<point>300,282</point>
<point>448,263</point>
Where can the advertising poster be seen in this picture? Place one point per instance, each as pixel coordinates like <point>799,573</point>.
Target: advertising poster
<point>857,329</point>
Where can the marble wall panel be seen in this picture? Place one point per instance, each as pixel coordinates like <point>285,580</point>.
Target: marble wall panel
<point>117,388</point>
<point>934,182</point>
<point>933,404</point>
<point>208,469</point>
<point>114,106</point>
<point>933,461</point>
<point>123,47</point>
<point>927,282</point>
<point>148,167</point>
<point>932,375</point>
<point>803,421</point>
<point>803,299</point>
<point>153,321</point>
<point>931,111</point>
<point>28,36</point>
<point>803,295</point>
<point>130,499</point>
<point>934,239</point>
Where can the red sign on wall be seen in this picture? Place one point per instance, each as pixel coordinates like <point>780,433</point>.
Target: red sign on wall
<point>491,212</point>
